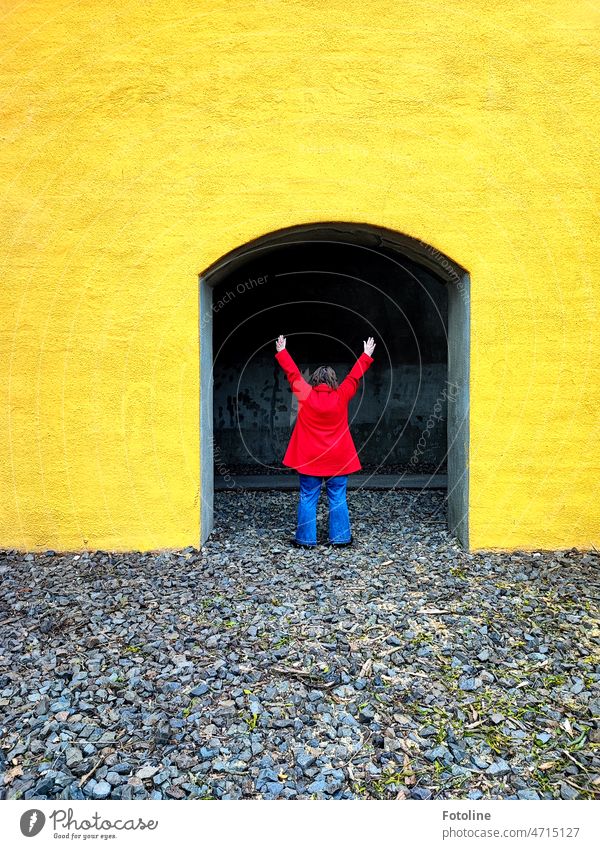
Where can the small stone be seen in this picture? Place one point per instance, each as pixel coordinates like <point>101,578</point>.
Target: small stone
<point>45,786</point>
<point>19,749</point>
<point>366,715</point>
<point>459,754</point>
<point>73,756</point>
<point>468,684</point>
<point>305,760</point>
<point>346,691</point>
<point>147,772</point>
<point>420,793</point>
<point>42,707</point>
<point>266,775</point>
<point>568,792</point>
<point>528,794</point>
<point>439,752</point>
<point>498,768</point>
<point>474,794</point>
<point>274,788</point>
<point>107,738</point>
<point>122,768</point>
<point>207,753</point>
<point>101,790</point>
<point>175,792</point>
<point>544,737</point>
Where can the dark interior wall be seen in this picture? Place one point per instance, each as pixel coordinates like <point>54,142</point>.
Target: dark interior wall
<point>326,299</point>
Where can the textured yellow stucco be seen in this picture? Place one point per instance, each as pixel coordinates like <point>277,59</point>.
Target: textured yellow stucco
<point>142,141</point>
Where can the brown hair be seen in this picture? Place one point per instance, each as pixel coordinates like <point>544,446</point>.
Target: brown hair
<point>324,374</point>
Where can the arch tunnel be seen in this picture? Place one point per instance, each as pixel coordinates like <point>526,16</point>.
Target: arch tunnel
<point>327,287</point>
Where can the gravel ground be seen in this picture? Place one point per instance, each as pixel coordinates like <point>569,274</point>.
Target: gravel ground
<point>402,668</point>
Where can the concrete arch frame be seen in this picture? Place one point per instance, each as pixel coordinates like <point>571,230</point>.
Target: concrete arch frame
<point>371,237</point>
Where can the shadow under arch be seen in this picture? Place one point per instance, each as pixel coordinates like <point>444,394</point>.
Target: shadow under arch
<point>371,237</point>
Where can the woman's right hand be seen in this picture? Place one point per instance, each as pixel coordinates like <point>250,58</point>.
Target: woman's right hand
<point>280,343</point>
<point>369,346</point>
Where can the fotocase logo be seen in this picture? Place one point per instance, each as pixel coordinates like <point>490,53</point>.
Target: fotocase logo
<point>32,822</point>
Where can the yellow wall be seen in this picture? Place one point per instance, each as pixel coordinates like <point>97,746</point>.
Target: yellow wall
<point>142,141</point>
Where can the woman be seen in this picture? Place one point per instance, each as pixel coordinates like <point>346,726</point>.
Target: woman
<point>321,445</point>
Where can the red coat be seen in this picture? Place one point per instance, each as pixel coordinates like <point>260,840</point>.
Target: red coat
<point>321,443</point>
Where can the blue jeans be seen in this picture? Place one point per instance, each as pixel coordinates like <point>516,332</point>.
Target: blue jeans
<point>339,520</point>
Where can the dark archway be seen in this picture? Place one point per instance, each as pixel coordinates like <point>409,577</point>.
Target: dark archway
<point>345,281</point>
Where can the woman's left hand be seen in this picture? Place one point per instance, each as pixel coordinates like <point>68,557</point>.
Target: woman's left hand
<point>280,343</point>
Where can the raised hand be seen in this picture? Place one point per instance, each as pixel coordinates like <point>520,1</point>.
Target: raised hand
<point>369,346</point>
<point>280,343</point>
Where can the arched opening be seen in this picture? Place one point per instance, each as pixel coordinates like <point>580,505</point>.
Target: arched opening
<point>327,287</point>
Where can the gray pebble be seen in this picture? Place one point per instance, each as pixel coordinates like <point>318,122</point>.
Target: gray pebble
<point>101,790</point>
